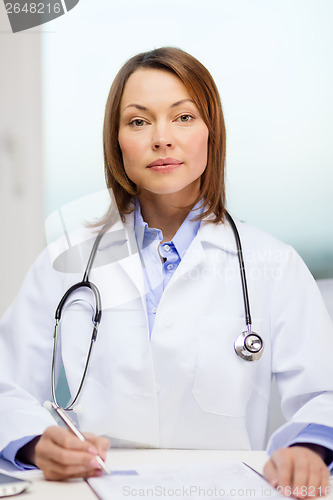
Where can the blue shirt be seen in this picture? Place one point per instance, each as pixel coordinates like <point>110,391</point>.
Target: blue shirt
<point>159,261</point>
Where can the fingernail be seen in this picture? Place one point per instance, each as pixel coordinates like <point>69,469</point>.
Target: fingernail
<point>99,473</point>
<point>92,450</point>
<point>274,483</point>
<point>94,464</point>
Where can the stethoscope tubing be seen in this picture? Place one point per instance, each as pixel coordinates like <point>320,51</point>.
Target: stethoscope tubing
<point>96,319</point>
<point>240,343</point>
<point>248,319</point>
<point>72,289</point>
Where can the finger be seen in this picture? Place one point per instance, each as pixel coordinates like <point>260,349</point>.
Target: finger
<point>101,443</point>
<point>58,462</point>
<point>310,472</point>
<point>61,455</point>
<point>53,452</point>
<point>301,476</point>
<point>53,469</point>
<point>282,459</point>
<point>57,473</point>
<point>318,481</point>
<point>66,439</point>
<point>270,473</point>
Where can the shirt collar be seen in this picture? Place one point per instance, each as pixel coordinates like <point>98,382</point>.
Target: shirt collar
<point>188,230</point>
<point>144,234</point>
<point>181,240</point>
<point>219,235</point>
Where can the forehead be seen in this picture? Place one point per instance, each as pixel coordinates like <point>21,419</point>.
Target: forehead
<point>148,85</point>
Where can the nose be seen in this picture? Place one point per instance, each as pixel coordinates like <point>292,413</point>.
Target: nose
<point>162,137</point>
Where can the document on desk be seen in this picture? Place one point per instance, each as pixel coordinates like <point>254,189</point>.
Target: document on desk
<point>214,481</point>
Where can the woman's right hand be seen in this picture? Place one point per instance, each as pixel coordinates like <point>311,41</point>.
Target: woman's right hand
<point>61,455</point>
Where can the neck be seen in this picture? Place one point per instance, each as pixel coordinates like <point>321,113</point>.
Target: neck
<point>163,213</point>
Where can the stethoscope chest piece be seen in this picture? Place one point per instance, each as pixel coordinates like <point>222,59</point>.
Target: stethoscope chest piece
<point>249,346</point>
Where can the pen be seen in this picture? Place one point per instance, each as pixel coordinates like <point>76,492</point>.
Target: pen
<point>72,427</point>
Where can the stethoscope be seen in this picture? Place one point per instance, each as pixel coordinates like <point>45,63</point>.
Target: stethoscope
<point>85,283</point>
<point>248,345</point>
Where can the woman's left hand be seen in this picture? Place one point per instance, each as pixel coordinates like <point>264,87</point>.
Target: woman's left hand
<point>298,471</point>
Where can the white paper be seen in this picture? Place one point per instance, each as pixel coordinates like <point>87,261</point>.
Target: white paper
<point>195,481</point>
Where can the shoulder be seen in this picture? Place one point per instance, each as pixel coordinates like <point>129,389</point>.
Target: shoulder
<point>254,241</point>
<point>60,262</point>
<point>264,249</point>
<point>262,244</point>
<point>268,256</point>
<point>256,237</point>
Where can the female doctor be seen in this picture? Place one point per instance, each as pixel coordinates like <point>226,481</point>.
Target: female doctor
<point>164,371</point>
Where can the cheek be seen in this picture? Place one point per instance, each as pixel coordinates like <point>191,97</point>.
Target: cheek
<point>127,147</point>
<point>200,146</point>
<point>133,148</point>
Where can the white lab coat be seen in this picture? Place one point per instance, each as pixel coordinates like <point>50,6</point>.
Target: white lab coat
<point>185,387</point>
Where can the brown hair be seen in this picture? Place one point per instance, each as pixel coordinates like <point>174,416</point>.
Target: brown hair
<point>201,87</point>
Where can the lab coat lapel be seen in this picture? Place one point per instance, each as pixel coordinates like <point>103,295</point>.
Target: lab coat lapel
<point>133,269</point>
<point>216,235</point>
<point>125,254</point>
<point>132,265</point>
<point>119,275</point>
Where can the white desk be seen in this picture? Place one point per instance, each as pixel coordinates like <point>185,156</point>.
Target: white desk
<point>78,489</point>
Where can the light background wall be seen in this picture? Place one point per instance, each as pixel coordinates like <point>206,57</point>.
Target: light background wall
<point>21,168</point>
<point>272,62</point>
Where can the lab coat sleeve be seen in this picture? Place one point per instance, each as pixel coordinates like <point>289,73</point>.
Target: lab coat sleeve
<point>302,334</point>
<point>26,333</point>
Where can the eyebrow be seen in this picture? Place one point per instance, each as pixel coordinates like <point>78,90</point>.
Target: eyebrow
<point>174,105</point>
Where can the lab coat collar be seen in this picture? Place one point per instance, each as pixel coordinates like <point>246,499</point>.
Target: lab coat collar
<point>130,258</point>
<point>219,235</point>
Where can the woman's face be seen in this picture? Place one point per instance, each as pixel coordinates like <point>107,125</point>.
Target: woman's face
<point>162,136</point>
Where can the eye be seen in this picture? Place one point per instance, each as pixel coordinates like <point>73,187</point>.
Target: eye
<point>185,118</point>
<point>137,122</point>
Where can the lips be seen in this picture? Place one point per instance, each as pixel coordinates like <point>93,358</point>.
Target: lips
<point>163,162</point>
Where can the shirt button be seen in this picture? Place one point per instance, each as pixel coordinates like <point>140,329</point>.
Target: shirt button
<point>170,266</point>
<point>166,248</point>
<point>154,310</point>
